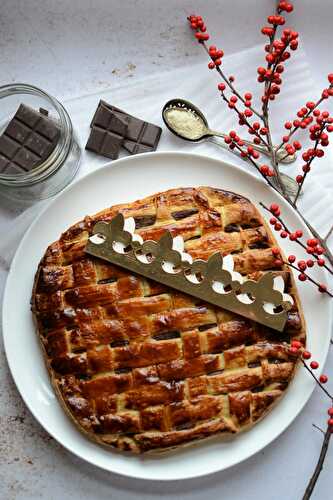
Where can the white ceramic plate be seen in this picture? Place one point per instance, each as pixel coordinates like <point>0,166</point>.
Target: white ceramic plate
<point>124,181</point>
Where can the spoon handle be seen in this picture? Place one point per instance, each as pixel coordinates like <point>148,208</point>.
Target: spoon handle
<point>289,183</point>
<point>282,157</point>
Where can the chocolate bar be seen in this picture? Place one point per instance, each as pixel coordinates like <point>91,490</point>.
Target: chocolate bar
<point>107,134</point>
<point>28,140</point>
<point>140,136</point>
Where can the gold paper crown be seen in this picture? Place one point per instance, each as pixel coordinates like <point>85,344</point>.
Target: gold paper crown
<point>213,281</point>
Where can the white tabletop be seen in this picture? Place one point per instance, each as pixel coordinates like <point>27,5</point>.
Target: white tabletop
<point>75,47</point>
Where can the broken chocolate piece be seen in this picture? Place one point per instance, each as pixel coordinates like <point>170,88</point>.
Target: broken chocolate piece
<point>28,140</point>
<point>140,137</point>
<point>107,134</point>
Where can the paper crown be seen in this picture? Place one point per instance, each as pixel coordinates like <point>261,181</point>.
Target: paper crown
<point>213,281</point>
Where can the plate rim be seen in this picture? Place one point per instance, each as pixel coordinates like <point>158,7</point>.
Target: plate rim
<point>98,171</point>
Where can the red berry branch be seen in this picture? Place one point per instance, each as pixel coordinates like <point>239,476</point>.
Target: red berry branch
<point>282,41</point>
<point>312,246</point>
<point>278,51</point>
<point>319,136</point>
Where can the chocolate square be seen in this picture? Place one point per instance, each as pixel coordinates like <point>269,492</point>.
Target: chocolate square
<point>28,140</point>
<point>104,142</point>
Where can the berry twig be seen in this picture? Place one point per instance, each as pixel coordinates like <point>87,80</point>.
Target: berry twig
<point>198,25</point>
<point>313,246</point>
<point>317,134</point>
<point>312,483</point>
<point>297,349</point>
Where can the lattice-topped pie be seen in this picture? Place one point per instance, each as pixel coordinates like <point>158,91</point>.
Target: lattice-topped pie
<point>140,366</point>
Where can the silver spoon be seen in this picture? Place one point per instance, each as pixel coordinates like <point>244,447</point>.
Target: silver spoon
<point>186,121</point>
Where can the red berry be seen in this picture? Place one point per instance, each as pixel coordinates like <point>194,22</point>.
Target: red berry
<point>231,78</point>
<point>266,30</point>
<point>306,355</point>
<point>314,365</point>
<point>322,288</point>
<point>219,53</point>
<point>274,207</point>
<point>283,234</point>
<point>278,226</point>
<point>330,422</point>
<point>330,411</point>
<point>296,343</point>
<point>291,259</point>
<point>310,263</point>
<point>330,77</point>
<point>323,379</point>
<point>264,169</point>
<point>288,125</point>
<point>302,277</point>
<point>321,262</point>
<point>293,350</point>
<point>211,65</point>
<point>299,179</point>
<point>248,96</point>
<point>275,252</point>
<point>299,233</point>
<point>233,98</point>
<point>301,265</point>
<point>218,62</point>
<point>313,242</point>
<point>292,237</point>
<point>221,86</point>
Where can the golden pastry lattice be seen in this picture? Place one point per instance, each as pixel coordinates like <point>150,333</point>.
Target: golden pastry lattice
<point>139,366</point>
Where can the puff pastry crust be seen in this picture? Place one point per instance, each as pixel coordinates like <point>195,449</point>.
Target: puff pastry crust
<point>139,366</point>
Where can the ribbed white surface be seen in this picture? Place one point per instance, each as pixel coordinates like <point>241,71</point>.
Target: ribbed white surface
<point>146,97</point>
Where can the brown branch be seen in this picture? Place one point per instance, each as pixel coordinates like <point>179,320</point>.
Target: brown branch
<point>318,428</point>
<point>328,234</point>
<point>312,483</point>
<point>295,128</point>
<point>312,281</point>
<point>328,254</point>
<point>317,380</point>
<point>230,85</point>
<point>308,163</point>
<point>246,122</point>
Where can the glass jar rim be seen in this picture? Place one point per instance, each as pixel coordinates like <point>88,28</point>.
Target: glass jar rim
<point>54,161</point>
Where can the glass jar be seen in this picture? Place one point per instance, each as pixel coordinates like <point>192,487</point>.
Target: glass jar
<point>59,168</point>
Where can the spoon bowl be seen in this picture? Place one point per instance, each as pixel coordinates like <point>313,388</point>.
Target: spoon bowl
<point>186,121</point>
<point>193,125</point>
